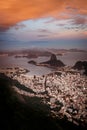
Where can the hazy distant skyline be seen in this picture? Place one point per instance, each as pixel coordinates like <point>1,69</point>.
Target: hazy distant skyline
<point>43,23</point>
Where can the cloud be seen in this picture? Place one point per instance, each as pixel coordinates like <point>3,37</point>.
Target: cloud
<point>44,31</point>
<point>80,20</point>
<point>42,35</point>
<point>4,27</point>
<point>61,24</point>
<point>81,5</point>
<point>14,11</point>
<point>85,33</point>
<point>19,26</point>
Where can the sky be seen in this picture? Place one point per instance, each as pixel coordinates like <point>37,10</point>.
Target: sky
<point>43,23</point>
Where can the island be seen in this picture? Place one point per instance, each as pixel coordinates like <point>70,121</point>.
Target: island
<point>32,62</point>
<point>53,62</point>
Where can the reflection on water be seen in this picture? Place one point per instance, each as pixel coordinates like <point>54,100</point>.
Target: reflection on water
<point>69,59</point>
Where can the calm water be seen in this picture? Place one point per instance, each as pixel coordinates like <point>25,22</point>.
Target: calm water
<point>69,59</point>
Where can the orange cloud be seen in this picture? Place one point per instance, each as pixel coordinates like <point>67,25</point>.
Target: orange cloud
<point>85,33</point>
<point>81,5</point>
<point>13,11</point>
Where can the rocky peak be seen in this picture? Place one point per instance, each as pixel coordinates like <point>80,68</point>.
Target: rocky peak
<point>53,57</point>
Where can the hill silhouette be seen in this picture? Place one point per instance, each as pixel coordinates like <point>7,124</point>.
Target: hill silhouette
<point>81,65</point>
<point>53,62</point>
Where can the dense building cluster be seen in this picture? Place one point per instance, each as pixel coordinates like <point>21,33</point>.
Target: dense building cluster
<point>65,93</point>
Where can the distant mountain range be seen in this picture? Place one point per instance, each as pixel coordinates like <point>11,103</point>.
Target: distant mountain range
<point>35,52</point>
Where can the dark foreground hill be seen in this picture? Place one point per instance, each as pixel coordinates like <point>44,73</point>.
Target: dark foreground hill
<point>81,65</point>
<point>19,113</point>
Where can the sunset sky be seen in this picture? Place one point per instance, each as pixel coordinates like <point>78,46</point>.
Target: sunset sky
<point>43,23</point>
